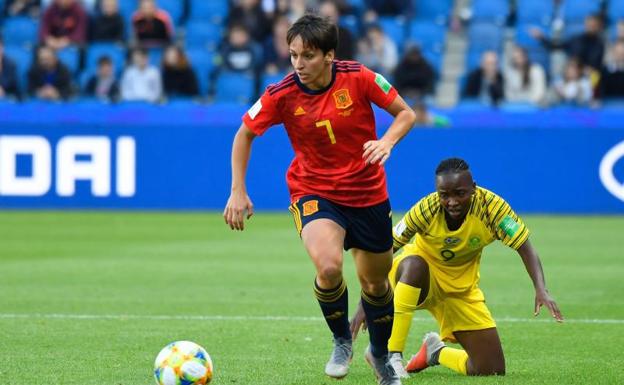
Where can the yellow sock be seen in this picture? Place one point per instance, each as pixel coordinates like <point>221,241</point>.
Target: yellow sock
<point>405,302</point>
<point>454,359</point>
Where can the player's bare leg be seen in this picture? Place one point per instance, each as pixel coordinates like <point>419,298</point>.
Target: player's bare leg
<point>485,353</point>
<point>372,270</point>
<point>412,277</point>
<point>324,240</point>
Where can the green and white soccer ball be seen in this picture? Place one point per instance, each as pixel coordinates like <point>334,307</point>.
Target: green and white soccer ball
<point>183,363</point>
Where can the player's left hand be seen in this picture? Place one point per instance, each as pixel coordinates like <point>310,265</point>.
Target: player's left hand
<point>377,151</point>
<point>543,298</point>
<point>358,322</point>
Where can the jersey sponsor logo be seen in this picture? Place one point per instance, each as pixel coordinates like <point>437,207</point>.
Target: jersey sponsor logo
<point>451,241</point>
<point>310,207</point>
<point>607,175</point>
<point>509,226</point>
<point>382,83</point>
<point>255,109</point>
<point>342,99</point>
<point>299,111</point>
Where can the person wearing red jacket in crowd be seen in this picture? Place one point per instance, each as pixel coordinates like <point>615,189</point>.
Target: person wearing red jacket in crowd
<point>63,23</point>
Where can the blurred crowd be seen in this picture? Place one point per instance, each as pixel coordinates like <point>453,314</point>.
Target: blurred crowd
<point>229,50</point>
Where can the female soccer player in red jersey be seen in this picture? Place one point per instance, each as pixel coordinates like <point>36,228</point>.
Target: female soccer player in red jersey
<point>337,182</point>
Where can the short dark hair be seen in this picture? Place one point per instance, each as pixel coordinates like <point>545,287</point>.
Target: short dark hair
<point>104,60</point>
<point>315,31</point>
<point>452,165</point>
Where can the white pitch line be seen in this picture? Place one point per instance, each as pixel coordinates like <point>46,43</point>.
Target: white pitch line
<point>123,317</point>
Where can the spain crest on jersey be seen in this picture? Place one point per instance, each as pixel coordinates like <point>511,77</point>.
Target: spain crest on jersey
<point>342,99</point>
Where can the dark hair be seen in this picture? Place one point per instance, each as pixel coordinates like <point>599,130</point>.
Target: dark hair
<point>104,60</point>
<point>452,165</point>
<point>315,31</point>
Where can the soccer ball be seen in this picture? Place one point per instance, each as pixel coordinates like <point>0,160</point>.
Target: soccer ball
<point>183,363</point>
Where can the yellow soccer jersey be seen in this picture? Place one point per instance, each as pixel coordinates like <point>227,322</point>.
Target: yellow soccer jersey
<point>454,256</point>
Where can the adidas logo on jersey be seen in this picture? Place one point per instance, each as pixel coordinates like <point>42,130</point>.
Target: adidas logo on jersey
<point>299,111</point>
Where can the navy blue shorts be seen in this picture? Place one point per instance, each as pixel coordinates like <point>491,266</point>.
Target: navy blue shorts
<point>367,228</point>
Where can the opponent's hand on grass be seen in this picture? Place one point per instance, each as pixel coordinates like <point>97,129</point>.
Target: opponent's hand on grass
<point>358,322</point>
<point>377,151</point>
<point>542,298</point>
<point>237,205</point>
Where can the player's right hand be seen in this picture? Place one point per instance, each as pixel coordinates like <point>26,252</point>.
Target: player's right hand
<point>237,206</point>
<point>358,322</point>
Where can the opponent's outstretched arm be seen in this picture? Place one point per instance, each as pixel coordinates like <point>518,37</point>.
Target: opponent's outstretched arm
<point>239,202</point>
<point>404,118</point>
<point>534,268</point>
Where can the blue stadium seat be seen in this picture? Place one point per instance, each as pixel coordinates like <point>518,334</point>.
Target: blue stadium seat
<point>70,56</point>
<point>127,9</point>
<point>202,62</point>
<point>537,12</point>
<point>493,11</point>
<point>540,56</point>
<point>485,36</point>
<point>210,10</point>
<point>155,56</point>
<point>428,35</point>
<point>233,87</point>
<point>203,34</point>
<point>96,51</point>
<point>268,79</point>
<point>22,31</point>
<point>437,11</point>
<point>175,8</point>
<point>575,11</point>
<point>351,23</point>
<point>435,59</point>
<point>395,28</point>
<point>23,58</point>
<point>524,38</point>
<point>615,10</point>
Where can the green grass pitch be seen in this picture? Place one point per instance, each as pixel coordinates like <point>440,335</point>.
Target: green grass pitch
<point>90,298</point>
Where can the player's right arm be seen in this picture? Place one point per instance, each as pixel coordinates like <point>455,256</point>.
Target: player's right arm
<point>416,220</point>
<point>239,202</point>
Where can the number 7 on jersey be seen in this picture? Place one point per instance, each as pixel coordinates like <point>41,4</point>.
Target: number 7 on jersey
<point>330,132</point>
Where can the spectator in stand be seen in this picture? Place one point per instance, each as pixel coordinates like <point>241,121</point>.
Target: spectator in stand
<point>612,74</point>
<point>141,81</point>
<point>276,51</point>
<point>249,13</point>
<point>524,81</point>
<point>486,82</point>
<point>152,26</point>
<point>103,85</point>
<point>574,88</point>
<point>108,24</point>
<point>389,7</point>
<point>377,51</point>
<point>8,76</point>
<point>619,30</point>
<point>346,42</point>
<point>64,23</point>
<point>587,46</point>
<point>31,8</point>
<point>48,78</point>
<point>179,79</point>
<point>414,76</point>
<point>239,53</point>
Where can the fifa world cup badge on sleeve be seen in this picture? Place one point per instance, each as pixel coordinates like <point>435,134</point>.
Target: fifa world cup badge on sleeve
<point>255,109</point>
<point>509,226</point>
<point>382,83</point>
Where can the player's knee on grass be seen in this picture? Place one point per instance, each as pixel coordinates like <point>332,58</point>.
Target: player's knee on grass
<point>414,271</point>
<point>488,366</point>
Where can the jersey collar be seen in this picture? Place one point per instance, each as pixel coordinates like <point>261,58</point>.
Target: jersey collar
<point>319,91</point>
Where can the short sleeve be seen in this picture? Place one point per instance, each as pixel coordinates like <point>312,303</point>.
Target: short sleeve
<point>262,115</point>
<point>377,88</point>
<point>506,225</point>
<point>417,220</point>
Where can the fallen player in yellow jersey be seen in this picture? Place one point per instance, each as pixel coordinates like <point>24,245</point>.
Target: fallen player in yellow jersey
<point>439,271</point>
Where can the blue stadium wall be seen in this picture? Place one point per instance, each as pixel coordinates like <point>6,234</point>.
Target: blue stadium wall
<point>178,157</point>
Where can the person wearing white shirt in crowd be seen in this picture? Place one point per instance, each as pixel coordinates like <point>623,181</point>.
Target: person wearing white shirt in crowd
<point>524,81</point>
<point>377,51</point>
<point>574,87</point>
<point>141,81</point>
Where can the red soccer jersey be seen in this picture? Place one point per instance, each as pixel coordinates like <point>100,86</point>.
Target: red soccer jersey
<point>327,129</point>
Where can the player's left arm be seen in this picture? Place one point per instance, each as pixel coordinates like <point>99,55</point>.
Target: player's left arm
<point>534,268</point>
<point>378,151</point>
